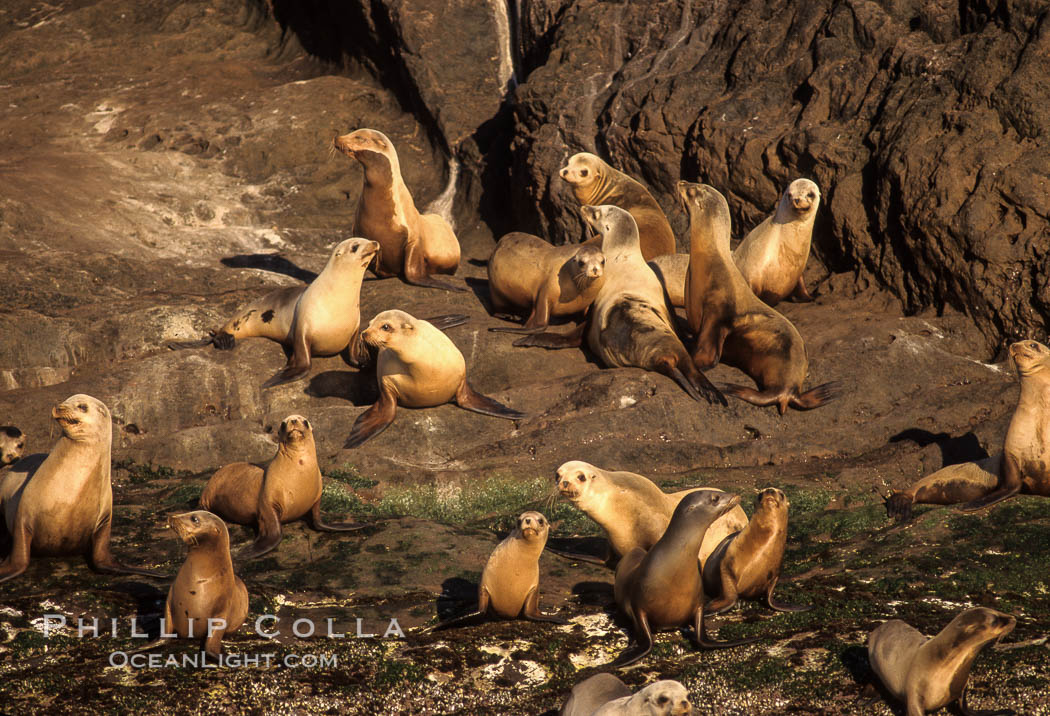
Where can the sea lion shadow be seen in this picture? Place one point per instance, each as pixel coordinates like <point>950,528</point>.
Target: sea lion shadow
<point>458,596</point>
<point>149,605</point>
<point>269,262</point>
<point>343,384</point>
<point>855,659</point>
<point>597,594</point>
<point>480,287</point>
<point>965,448</point>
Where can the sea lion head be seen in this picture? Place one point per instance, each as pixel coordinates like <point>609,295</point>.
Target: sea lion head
<point>588,265</point>
<point>771,499</point>
<point>616,226</point>
<point>355,252</point>
<point>702,503</point>
<point>370,147</point>
<point>575,478</point>
<point>663,698</point>
<point>582,170</point>
<point>388,328</point>
<point>802,196</point>
<point>198,527</point>
<point>82,417</point>
<point>974,628</point>
<point>533,526</point>
<point>12,444</point>
<point>1030,357</point>
<point>702,198</point>
<point>294,429</point>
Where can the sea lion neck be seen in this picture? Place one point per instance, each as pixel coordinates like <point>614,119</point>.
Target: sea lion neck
<point>377,166</point>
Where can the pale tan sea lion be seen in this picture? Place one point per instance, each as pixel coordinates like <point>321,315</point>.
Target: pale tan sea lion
<point>662,698</point>
<point>594,182</point>
<point>526,272</point>
<point>413,246</point>
<point>730,323</point>
<point>773,256</point>
<point>207,600</point>
<point>661,588</point>
<point>12,445</point>
<point>633,510</point>
<point>592,693</point>
<point>286,490</point>
<point>927,674</point>
<point>671,270</point>
<point>418,366</point>
<point>61,504</point>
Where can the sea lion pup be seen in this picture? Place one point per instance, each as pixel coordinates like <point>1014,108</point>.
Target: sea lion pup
<point>633,510</point>
<point>730,323</point>
<point>1023,467</point>
<point>287,489</point>
<point>527,272</point>
<point>413,246</point>
<point>418,366</point>
<point>927,674</point>
<point>62,504</point>
<point>592,693</point>
<point>662,698</point>
<point>661,588</point>
<point>773,256</point>
<point>746,564</point>
<point>511,579</point>
<point>594,182</point>
<point>12,444</point>
<point>207,600</point>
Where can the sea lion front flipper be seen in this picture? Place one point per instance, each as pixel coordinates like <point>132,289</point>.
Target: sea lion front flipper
<point>800,294</point>
<point>643,637</point>
<point>470,399</point>
<point>416,270</point>
<point>696,384</point>
<point>102,559</point>
<point>269,533</point>
<point>778,606</point>
<point>356,352</point>
<point>320,525</point>
<point>451,320</point>
<point>18,559</point>
<point>374,420</point>
<point>531,610</point>
<point>298,363</point>
<point>550,339</point>
<point>1009,485</point>
<point>727,582</point>
<point>965,709</point>
<point>703,640</point>
<point>213,641</point>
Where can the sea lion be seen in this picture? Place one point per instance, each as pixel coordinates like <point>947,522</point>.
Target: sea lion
<point>594,182</point>
<point>661,588</point>
<point>418,366</point>
<point>662,698</point>
<point>746,564</point>
<point>510,581</point>
<point>207,600</point>
<point>927,674</point>
<point>62,503</point>
<point>671,270</point>
<point>1023,467</point>
<point>12,444</point>
<point>592,693</point>
<point>729,321</point>
<point>773,255</point>
<point>287,489</point>
<point>413,245</point>
<point>633,510</point>
<point>527,272</point>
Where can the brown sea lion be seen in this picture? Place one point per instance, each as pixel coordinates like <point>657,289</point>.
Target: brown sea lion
<point>662,698</point>
<point>1022,468</point>
<point>62,503</point>
<point>773,256</point>
<point>12,445</point>
<point>594,182</point>
<point>511,579</point>
<point>729,321</point>
<point>633,510</point>
<point>661,588</point>
<point>207,600</point>
<point>592,693</point>
<point>287,489</point>
<point>413,246</point>
<point>927,674</point>
<point>418,366</point>
<point>527,272</point>
<point>746,564</point>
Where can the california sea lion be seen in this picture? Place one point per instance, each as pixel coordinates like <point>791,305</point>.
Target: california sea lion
<point>927,674</point>
<point>633,510</point>
<point>510,581</point>
<point>662,698</point>
<point>1023,466</point>
<point>418,366</point>
<point>594,182</point>
<point>62,503</point>
<point>671,270</point>
<point>287,489</point>
<point>12,444</point>
<point>746,564</point>
<point>413,245</point>
<point>729,321</point>
<point>592,693</point>
<point>527,272</point>
<point>207,600</point>
<point>773,256</point>
<point>661,588</point>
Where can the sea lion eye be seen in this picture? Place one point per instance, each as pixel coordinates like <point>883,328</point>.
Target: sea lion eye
<point>583,172</point>
<point>20,445</point>
<point>82,408</point>
<point>662,700</point>
<point>386,327</point>
<point>195,520</point>
<point>581,477</point>
<point>306,423</point>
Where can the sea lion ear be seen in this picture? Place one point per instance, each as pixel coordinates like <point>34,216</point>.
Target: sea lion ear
<point>406,326</point>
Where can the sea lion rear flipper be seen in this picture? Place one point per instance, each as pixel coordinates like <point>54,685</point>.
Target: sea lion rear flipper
<point>779,606</point>
<point>374,420</point>
<point>800,294</point>
<point>182,345</point>
<point>470,399</point>
<point>550,339</point>
<point>517,329</point>
<point>965,709</point>
<point>643,637</point>
<point>451,320</point>
<point>471,619</point>
<point>102,560</point>
<point>1009,485</point>
<point>816,397</point>
<point>531,610</point>
<point>314,516</point>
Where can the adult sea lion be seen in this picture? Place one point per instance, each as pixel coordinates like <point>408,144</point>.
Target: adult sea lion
<point>418,366</point>
<point>671,270</point>
<point>633,510</point>
<point>773,256</point>
<point>662,698</point>
<point>207,600</point>
<point>12,444</point>
<point>62,503</point>
<point>287,489</point>
<point>927,674</point>
<point>413,245</point>
<point>510,581</point>
<point>729,321</point>
<point>1023,467</point>
<point>594,182</point>
<point>661,588</point>
<point>527,272</point>
<point>746,564</point>
<point>592,693</point>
